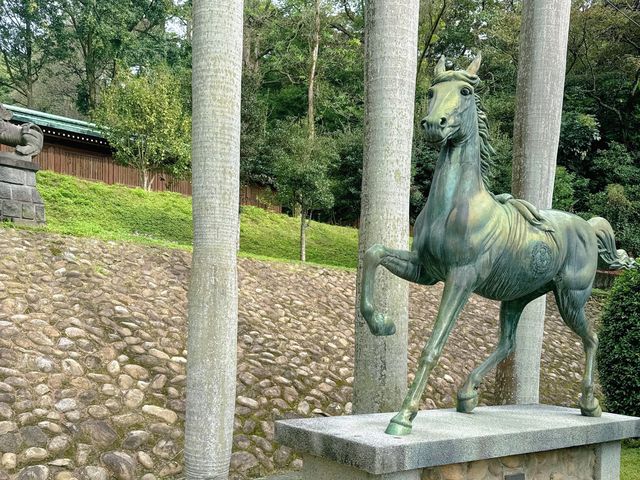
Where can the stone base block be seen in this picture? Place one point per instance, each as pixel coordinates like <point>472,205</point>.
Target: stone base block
<point>524,442</point>
<point>316,468</point>
<point>284,476</point>
<point>577,463</point>
<point>20,201</point>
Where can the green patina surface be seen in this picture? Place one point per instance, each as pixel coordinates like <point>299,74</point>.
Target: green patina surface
<point>496,246</point>
<point>21,114</point>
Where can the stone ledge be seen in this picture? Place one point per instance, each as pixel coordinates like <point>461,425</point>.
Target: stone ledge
<point>13,160</point>
<point>284,476</point>
<point>443,437</point>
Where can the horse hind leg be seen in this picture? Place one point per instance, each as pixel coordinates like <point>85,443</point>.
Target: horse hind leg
<point>571,305</point>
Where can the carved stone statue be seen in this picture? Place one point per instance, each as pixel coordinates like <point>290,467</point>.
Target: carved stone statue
<point>496,246</point>
<point>26,138</point>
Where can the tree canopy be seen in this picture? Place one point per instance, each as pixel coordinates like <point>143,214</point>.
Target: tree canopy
<point>146,123</point>
<point>79,47</point>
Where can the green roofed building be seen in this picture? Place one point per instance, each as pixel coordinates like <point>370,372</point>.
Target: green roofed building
<point>78,148</point>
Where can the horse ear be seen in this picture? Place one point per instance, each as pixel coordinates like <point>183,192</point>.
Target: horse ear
<point>474,66</point>
<point>440,66</point>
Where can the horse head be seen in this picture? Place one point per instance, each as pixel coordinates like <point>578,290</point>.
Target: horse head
<point>452,113</point>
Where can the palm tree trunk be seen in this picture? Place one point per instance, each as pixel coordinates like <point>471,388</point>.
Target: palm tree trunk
<point>540,88</point>
<point>303,235</point>
<point>391,36</point>
<point>213,291</point>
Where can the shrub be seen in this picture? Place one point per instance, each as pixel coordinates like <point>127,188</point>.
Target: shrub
<point>620,206</point>
<point>619,351</point>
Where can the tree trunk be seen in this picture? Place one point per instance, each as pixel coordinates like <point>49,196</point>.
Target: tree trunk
<point>303,235</point>
<point>29,98</point>
<point>541,70</point>
<point>312,73</point>
<point>29,63</point>
<point>145,179</point>
<point>391,35</point>
<point>213,291</point>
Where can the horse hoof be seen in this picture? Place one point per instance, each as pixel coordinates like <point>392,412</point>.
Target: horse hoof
<point>592,410</point>
<point>466,404</point>
<point>382,326</point>
<point>397,429</point>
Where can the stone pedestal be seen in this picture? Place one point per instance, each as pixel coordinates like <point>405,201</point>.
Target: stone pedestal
<point>20,201</point>
<point>515,442</point>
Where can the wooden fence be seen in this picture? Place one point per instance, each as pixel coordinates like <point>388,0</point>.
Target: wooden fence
<point>99,166</point>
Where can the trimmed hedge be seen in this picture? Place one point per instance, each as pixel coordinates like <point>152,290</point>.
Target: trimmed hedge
<point>619,350</point>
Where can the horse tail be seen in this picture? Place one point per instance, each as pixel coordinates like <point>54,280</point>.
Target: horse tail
<point>608,257</point>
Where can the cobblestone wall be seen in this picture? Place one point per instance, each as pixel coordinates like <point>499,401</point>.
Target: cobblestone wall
<point>92,356</point>
<point>565,464</point>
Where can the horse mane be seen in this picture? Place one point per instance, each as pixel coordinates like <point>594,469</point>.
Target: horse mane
<point>486,150</point>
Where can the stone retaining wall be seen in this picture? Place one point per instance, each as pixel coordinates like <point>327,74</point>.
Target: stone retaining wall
<point>20,201</point>
<point>564,464</point>
<point>92,356</point>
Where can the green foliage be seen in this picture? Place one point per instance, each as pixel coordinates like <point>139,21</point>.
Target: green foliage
<point>502,162</point>
<point>99,35</point>
<point>578,132</point>
<point>614,165</point>
<point>301,168</point>
<point>623,213</point>
<point>563,190</point>
<point>114,212</point>
<point>146,123</point>
<point>347,178</point>
<point>26,44</point>
<point>619,350</point>
<point>256,164</point>
<point>5,88</point>
<point>423,164</point>
<point>600,141</point>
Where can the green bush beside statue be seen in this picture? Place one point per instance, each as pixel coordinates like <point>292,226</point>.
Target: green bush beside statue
<point>619,352</point>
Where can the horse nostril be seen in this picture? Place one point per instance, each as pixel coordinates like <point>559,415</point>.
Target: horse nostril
<point>443,121</point>
<point>423,122</point>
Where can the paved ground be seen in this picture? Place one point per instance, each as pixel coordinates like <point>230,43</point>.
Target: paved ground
<point>92,359</point>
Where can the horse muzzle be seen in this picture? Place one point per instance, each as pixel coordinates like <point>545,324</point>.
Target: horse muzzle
<point>436,129</point>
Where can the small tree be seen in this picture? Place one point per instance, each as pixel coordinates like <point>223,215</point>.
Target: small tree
<point>146,123</point>
<point>301,165</point>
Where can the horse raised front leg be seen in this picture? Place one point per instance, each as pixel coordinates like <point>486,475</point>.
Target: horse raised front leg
<point>458,287</point>
<point>401,263</point>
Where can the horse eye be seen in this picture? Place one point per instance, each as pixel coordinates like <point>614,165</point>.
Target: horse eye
<point>465,91</point>
<point>430,94</point>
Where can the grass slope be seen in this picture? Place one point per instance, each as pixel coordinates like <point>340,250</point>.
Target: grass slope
<point>114,212</point>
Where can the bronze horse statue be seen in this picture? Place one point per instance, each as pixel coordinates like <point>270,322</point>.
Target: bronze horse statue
<point>496,246</point>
